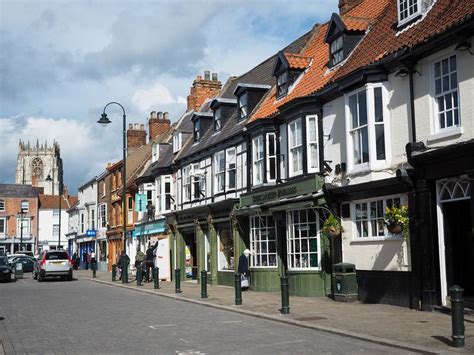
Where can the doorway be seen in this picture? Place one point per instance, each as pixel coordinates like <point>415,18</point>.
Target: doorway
<point>191,265</point>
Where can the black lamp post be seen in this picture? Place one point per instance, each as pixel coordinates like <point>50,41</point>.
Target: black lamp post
<point>21,214</point>
<point>104,121</point>
<point>60,192</point>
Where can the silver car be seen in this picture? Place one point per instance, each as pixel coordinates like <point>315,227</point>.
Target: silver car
<point>53,263</point>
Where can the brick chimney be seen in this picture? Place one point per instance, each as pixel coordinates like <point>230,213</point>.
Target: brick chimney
<point>203,89</point>
<point>347,5</point>
<point>158,123</point>
<point>136,136</point>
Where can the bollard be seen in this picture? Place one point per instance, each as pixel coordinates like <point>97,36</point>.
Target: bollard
<point>124,271</point>
<point>238,289</point>
<point>156,278</point>
<point>457,316</point>
<point>285,297</point>
<point>177,281</point>
<point>139,275</point>
<point>94,270</point>
<point>203,284</point>
<point>114,272</point>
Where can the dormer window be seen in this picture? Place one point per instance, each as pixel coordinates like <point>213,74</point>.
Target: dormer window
<point>196,131</point>
<point>177,139</point>
<point>337,51</point>
<point>217,120</point>
<point>282,84</point>
<point>243,106</point>
<point>408,10</point>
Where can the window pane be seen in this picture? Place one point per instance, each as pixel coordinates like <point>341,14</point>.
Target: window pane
<point>454,81</point>
<point>438,86</point>
<point>378,105</point>
<point>380,142</point>
<point>365,145</point>
<point>437,69</point>
<point>353,110</point>
<point>362,108</point>
<point>444,65</point>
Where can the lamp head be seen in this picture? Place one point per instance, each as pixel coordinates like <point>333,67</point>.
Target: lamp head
<point>401,73</point>
<point>104,121</point>
<point>48,178</point>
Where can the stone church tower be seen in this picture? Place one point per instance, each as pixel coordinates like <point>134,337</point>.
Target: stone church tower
<point>36,163</point>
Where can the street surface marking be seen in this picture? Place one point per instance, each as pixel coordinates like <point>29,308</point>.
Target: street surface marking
<point>161,325</point>
<point>187,342</point>
<point>230,321</point>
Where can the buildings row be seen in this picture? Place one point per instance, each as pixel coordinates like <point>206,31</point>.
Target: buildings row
<point>372,109</point>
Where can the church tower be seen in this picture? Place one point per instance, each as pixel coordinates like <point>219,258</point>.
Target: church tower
<point>35,163</point>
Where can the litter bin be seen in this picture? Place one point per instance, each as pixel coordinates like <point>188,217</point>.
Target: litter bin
<point>19,270</point>
<point>344,282</point>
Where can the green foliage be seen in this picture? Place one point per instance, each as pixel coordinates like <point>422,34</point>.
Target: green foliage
<point>397,215</point>
<point>332,224</point>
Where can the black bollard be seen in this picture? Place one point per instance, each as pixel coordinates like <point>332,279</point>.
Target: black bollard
<point>238,289</point>
<point>94,269</point>
<point>177,281</point>
<point>139,275</point>
<point>285,297</point>
<point>457,316</point>
<point>124,271</point>
<point>156,278</point>
<point>203,284</point>
<point>114,272</point>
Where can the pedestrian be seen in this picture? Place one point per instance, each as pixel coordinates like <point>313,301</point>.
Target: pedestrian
<point>125,261</point>
<point>88,260</point>
<point>149,259</point>
<point>84,259</point>
<point>77,261</point>
<point>93,261</point>
<point>244,269</point>
<point>139,257</point>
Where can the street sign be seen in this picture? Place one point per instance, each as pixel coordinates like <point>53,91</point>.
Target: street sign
<point>91,232</point>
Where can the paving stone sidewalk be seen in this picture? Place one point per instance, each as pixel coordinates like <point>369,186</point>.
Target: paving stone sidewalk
<point>430,330</point>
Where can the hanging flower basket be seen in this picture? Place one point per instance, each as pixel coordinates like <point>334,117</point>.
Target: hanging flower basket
<point>332,226</point>
<point>334,232</point>
<point>394,228</point>
<point>396,219</point>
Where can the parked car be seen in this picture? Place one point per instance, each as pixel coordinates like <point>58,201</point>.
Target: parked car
<point>13,256</point>
<point>27,261</point>
<point>53,263</point>
<point>27,252</point>
<point>6,272</point>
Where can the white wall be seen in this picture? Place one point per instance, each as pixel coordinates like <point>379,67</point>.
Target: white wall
<point>45,227</point>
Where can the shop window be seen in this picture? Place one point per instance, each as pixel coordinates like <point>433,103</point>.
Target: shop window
<point>231,168</point>
<point>303,242</point>
<point>263,241</point>
<point>219,172</point>
<point>369,216</point>
<point>295,147</point>
<point>258,160</point>
<point>226,259</point>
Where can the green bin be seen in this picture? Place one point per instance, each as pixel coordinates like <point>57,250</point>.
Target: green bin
<point>344,282</point>
<point>19,270</point>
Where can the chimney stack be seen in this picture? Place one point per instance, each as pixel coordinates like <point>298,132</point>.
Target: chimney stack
<point>203,89</point>
<point>136,136</point>
<point>158,124</point>
<point>347,5</point>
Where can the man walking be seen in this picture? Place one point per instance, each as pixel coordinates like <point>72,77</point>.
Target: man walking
<point>150,255</point>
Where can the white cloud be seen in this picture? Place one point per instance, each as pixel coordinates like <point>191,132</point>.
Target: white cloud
<point>157,95</point>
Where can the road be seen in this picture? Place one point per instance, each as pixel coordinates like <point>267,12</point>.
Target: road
<point>81,316</point>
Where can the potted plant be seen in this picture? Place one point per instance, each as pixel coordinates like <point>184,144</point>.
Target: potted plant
<point>396,219</point>
<point>332,226</point>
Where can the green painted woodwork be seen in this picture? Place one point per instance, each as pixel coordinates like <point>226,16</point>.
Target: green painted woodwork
<point>180,253</point>
<point>225,278</point>
<point>309,283</point>
<point>265,279</point>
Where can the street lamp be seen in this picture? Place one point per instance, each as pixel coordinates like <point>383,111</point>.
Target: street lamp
<point>104,121</point>
<point>60,192</point>
<point>21,213</point>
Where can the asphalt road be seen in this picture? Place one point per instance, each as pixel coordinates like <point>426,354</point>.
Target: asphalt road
<point>86,317</point>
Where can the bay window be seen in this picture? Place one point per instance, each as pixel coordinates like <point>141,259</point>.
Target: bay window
<point>366,119</point>
<point>295,147</point>
<point>369,216</point>
<point>263,241</point>
<point>312,143</point>
<point>219,172</point>
<point>303,242</point>
<point>258,160</point>
<point>230,161</point>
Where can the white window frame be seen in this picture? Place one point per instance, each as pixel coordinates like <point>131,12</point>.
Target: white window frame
<point>167,179</point>
<point>243,106</point>
<point>5,226</point>
<point>294,231</point>
<point>197,131</point>
<point>55,231</point>
<point>231,167</point>
<point>92,213</point>
<point>258,157</point>
<point>409,16</point>
<point>199,182</point>
<point>103,215</point>
<point>312,143</point>
<point>19,222</point>
<point>217,119</point>
<point>269,157</point>
<point>260,231</point>
<point>295,147</point>
<point>2,205</point>
<point>373,163</point>
<point>81,222</point>
<point>337,50</point>
<point>177,139</point>
<point>219,172</point>
<point>156,152</point>
<point>186,183</point>
<point>23,204</point>
<point>370,236</point>
<point>454,128</point>
<point>56,213</point>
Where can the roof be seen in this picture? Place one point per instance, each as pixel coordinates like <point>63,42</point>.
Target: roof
<point>318,74</point>
<point>296,61</point>
<point>19,190</point>
<point>51,202</point>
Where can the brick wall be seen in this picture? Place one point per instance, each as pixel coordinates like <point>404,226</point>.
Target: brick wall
<point>158,123</point>
<point>202,89</point>
<point>136,136</point>
<point>12,207</point>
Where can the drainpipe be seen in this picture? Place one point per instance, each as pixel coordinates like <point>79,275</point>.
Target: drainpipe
<point>412,103</point>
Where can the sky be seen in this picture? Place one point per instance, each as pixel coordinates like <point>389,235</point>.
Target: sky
<point>61,61</point>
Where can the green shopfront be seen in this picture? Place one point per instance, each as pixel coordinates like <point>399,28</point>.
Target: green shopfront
<point>284,237</point>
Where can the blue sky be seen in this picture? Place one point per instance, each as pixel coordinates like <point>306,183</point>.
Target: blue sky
<point>61,61</point>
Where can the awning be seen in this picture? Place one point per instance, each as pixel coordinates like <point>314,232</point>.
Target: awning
<point>293,206</point>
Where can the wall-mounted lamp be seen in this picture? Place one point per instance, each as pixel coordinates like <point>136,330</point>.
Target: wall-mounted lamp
<point>463,46</point>
<point>326,168</point>
<point>403,72</point>
<point>340,168</point>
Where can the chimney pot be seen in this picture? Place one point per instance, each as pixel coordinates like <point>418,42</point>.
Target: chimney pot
<point>214,77</point>
<point>130,126</point>
<point>207,75</point>
<point>160,115</point>
<point>198,77</point>
<point>153,114</point>
<point>166,116</point>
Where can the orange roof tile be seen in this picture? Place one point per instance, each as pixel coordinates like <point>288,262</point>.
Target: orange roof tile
<point>297,61</point>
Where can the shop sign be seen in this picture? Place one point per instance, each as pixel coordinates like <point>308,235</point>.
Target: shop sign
<point>273,194</point>
<point>91,233</point>
<point>149,228</point>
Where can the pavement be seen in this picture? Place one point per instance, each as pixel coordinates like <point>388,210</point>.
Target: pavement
<point>398,327</point>
<point>84,317</point>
